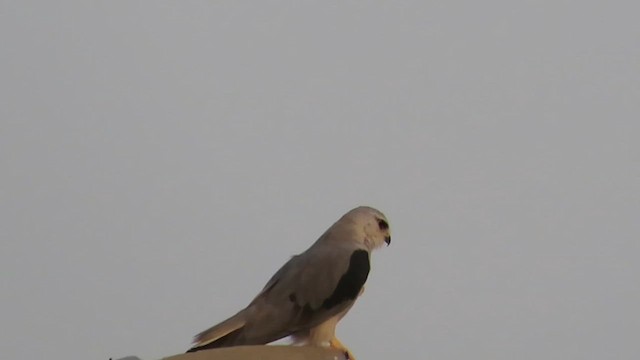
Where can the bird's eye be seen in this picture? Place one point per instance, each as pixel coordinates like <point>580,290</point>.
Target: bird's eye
<point>383,224</point>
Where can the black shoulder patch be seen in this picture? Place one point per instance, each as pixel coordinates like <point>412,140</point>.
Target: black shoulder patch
<point>352,281</point>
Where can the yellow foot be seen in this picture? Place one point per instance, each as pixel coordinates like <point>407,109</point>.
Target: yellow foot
<point>336,344</point>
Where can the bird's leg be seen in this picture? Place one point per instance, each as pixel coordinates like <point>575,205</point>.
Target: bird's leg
<point>336,344</point>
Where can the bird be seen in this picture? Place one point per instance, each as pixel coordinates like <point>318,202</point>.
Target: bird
<point>307,297</point>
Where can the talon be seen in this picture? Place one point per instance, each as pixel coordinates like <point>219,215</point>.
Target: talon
<point>336,344</point>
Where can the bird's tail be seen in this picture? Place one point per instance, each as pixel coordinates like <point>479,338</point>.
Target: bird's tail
<point>224,334</point>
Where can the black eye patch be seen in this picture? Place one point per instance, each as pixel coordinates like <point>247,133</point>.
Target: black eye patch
<point>383,224</point>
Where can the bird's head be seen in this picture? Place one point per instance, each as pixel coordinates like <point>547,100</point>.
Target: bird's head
<point>369,226</point>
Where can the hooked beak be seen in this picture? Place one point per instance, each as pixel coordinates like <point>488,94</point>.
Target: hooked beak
<point>388,240</point>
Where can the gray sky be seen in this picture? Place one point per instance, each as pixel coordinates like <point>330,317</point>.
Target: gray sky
<point>160,160</point>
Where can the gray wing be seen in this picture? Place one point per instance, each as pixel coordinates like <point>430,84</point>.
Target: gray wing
<point>309,289</point>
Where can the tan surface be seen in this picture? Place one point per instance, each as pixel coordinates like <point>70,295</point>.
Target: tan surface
<point>263,352</point>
